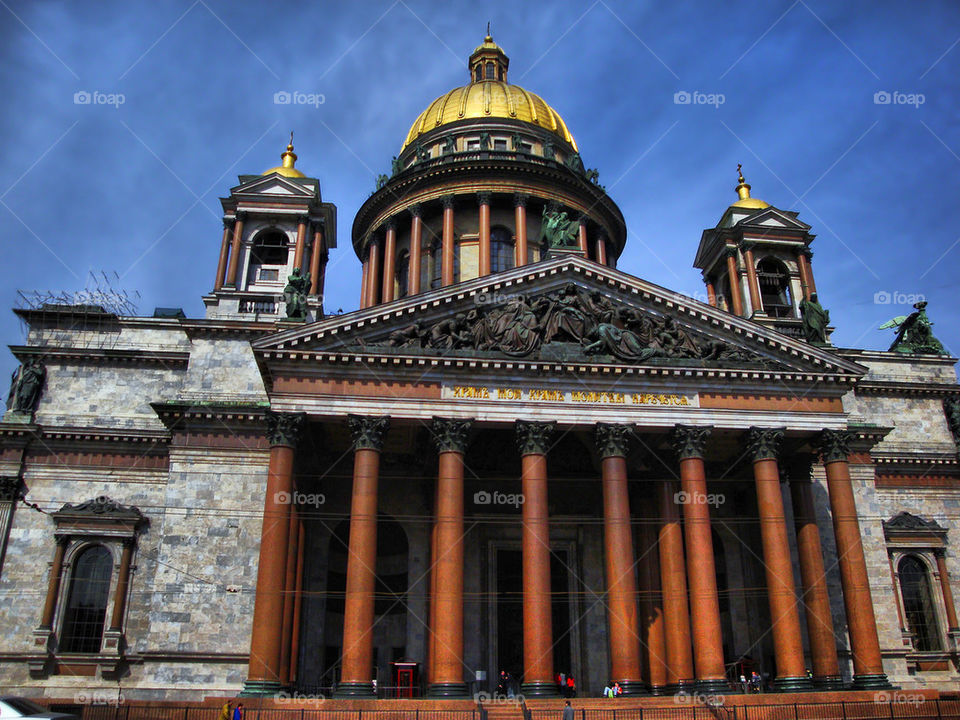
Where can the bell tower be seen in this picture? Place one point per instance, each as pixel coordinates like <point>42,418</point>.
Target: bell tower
<point>756,262</point>
<point>277,233</point>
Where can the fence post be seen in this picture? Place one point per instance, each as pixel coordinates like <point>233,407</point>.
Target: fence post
<point>891,710</point>
<point>937,701</point>
<point>843,709</point>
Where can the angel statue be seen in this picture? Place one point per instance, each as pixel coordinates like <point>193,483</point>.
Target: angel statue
<point>914,333</point>
<point>558,230</point>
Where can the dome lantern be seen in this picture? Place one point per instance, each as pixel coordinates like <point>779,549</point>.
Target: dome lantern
<point>488,61</point>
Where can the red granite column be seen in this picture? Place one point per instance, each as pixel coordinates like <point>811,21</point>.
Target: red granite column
<point>123,586</point>
<point>297,605</point>
<point>373,288</point>
<point>484,200</point>
<point>736,295</point>
<point>711,292</point>
<point>224,254</point>
<point>446,607</point>
<point>416,251</point>
<point>264,677</point>
<point>300,247</point>
<point>520,220</point>
<point>673,584</point>
<point>317,253</point>
<point>651,603</point>
<point>804,279</point>
<point>947,591</point>
<point>289,591</point>
<point>861,622</point>
<point>389,261</point>
<point>447,249</point>
<point>816,599</point>
<point>538,680</point>
<point>763,445</point>
<point>232,267</point>
<point>807,255</point>
<point>365,279</point>
<point>623,630</point>
<point>582,237</point>
<point>756,305</point>
<point>53,585</point>
<point>356,675</point>
<point>601,250</point>
<point>689,442</point>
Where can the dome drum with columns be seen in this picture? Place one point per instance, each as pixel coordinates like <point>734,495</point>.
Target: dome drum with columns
<point>476,173</point>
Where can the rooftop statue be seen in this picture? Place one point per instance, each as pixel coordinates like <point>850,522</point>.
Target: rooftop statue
<point>557,230</point>
<point>26,386</point>
<point>295,295</point>
<point>914,333</point>
<point>815,320</point>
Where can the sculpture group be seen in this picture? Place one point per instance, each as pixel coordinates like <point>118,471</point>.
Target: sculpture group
<point>588,322</point>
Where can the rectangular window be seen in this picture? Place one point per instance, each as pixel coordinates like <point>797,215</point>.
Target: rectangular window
<point>499,144</point>
<point>269,275</point>
<point>473,144</point>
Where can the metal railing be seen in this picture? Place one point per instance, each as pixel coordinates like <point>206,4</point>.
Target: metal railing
<point>251,712</point>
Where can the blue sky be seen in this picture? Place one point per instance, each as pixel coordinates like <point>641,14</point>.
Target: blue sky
<point>133,188</point>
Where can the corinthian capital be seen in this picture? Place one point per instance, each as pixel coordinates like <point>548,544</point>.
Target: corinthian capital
<point>368,431</point>
<point>451,435</point>
<point>284,428</point>
<point>612,440</point>
<point>533,438</point>
<point>834,444</point>
<point>764,443</point>
<point>689,440</point>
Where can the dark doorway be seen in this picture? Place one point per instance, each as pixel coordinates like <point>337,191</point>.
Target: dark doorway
<point>510,611</point>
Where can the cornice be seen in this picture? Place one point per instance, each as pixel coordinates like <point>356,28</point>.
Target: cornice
<point>102,355</point>
<point>883,387</point>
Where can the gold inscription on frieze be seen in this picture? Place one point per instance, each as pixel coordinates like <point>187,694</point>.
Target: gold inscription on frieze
<point>515,394</point>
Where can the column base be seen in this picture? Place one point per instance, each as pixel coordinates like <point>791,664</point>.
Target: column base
<point>355,690</point>
<point>800,683</point>
<point>877,681</point>
<point>831,682</point>
<point>658,690</point>
<point>683,686</point>
<point>633,687</point>
<point>713,686</point>
<point>261,688</point>
<point>539,689</point>
<point>447,690</point>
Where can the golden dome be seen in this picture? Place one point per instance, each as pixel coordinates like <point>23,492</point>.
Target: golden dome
<point>745,201</point>
<point>489,99</point>
<point>489,95</point>
<point>289,158</point>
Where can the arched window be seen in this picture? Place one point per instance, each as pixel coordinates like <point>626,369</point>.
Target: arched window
<point>501,249</point>
<point>86,606</point>
<point>918,606</point>
<point>403,273</point>
<point>478,73</point>
<point>775,288</point>
<point>268,257</point>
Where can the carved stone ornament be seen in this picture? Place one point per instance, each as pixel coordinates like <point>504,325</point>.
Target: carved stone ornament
<point>451,435</point>
<point>690,440</point>
<point>100,507</point>
<point>569,323</point>
<point>764,443</point>
<point>10,488</point>
<point>284,428</point>
<point>613,440</point>
<point>533,438</point>
<point>907,521</point>
<point>834,445</point>
<point>368,431</point>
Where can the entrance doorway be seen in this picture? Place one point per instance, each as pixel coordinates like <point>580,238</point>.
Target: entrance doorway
<point>508,641</point>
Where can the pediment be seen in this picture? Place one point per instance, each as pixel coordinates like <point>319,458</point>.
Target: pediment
<point>568,310</point>
<point>774,217</point>
<point>274,184</point>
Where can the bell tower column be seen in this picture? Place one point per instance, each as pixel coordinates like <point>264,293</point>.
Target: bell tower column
<point>231,282</point>
<point>520,215</point>
<point>484,200</point>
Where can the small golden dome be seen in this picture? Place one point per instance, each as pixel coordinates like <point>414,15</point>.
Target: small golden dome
<point>745,201</point>
<point>287,169</point>
<point>489,99</point>
<point>489,95</point>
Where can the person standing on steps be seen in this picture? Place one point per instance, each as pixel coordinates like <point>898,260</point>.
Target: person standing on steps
<point>567,712</point>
